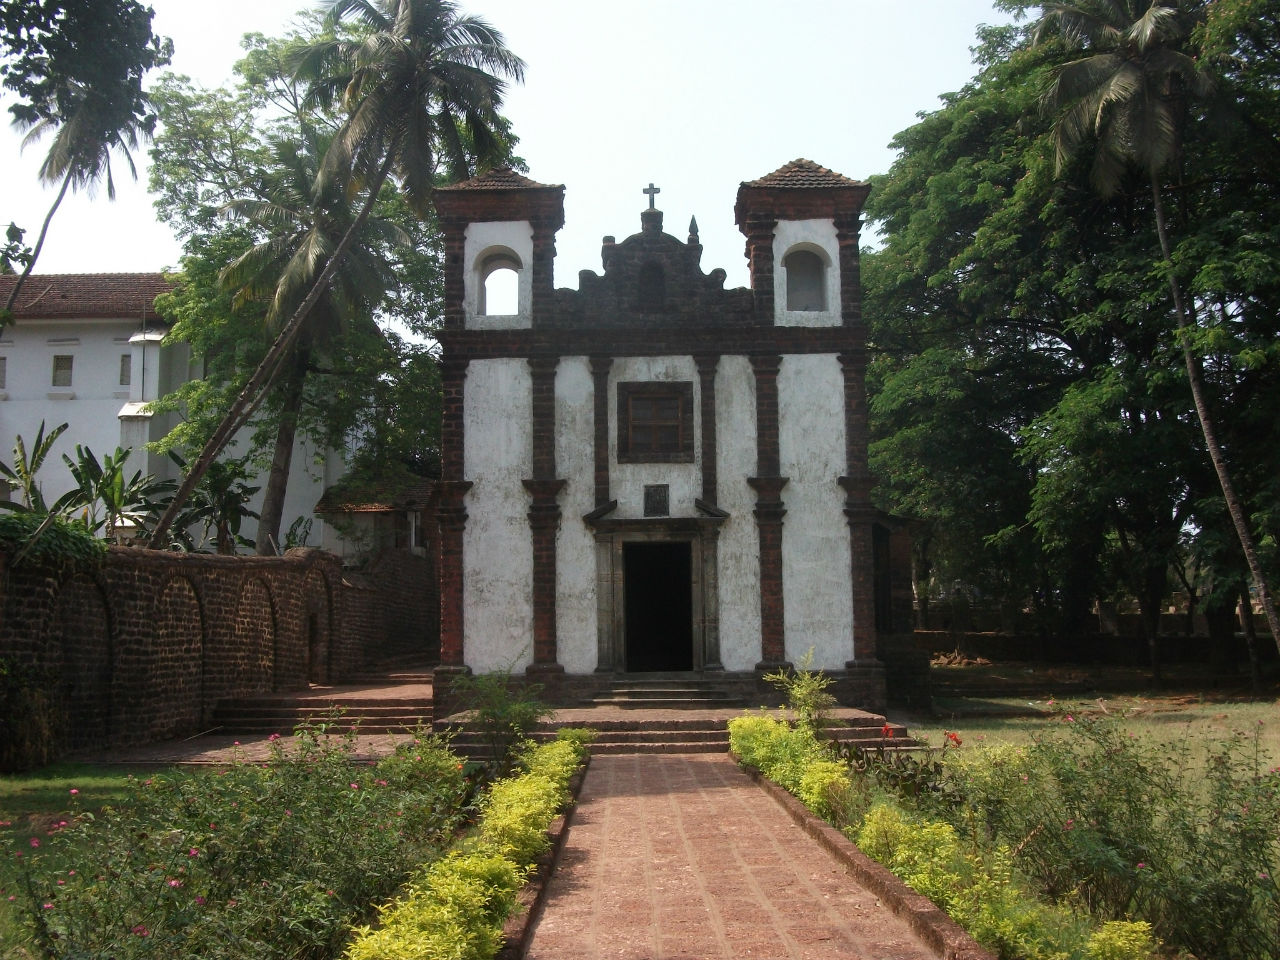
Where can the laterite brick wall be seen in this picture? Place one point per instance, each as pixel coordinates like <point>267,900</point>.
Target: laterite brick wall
<point>143,647</point>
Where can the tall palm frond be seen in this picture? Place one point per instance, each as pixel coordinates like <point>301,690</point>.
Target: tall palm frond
<point>417,64</point>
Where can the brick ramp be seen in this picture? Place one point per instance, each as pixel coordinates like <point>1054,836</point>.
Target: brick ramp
<point>682,856</point>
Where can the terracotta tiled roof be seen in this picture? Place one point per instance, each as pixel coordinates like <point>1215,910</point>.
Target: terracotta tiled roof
<point>500,178</point>
<point>803,174</point>
<point>337,500</point>
<point>92,296</point>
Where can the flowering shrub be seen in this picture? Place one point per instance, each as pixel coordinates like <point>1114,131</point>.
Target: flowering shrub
<point>1117,824</point>
<point>897,814</point>
<point>276,860</point>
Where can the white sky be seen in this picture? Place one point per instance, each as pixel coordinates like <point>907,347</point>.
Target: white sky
<point>693,95</point>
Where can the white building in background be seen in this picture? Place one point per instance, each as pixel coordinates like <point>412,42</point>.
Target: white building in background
<point>87,350</point>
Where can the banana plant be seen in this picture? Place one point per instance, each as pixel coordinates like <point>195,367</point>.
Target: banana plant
<point>22,475</point>
<point>108,504</point>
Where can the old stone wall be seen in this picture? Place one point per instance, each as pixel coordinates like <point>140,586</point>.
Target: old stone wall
<point>143,647</point>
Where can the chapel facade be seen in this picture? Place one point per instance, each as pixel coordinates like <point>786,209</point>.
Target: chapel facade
<point>652,473</point>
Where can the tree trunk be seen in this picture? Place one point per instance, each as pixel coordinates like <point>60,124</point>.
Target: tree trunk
<point>242,408</point>
<point>268,538</point>
<point>1196,379</point>
<point>1250,639</point>
<point>44,229</point>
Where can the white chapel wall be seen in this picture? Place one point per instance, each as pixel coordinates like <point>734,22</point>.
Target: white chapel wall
<point>628,480</point>
<point>739,546</point>
<point>497,558</point>
<point>577,645</point>
<point>817,594</point>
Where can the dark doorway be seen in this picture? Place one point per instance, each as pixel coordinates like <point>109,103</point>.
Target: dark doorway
<point>659,606</point>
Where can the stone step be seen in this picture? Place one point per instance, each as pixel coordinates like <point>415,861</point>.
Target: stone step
<point>669,702</point>
<point>323,703</point>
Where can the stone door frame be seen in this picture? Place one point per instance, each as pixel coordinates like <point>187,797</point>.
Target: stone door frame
<point>702,536</point>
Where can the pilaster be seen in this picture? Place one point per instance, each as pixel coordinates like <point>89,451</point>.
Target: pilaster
<point>769,512</point>
<point>544,512</point>
<point>600,366</point>
<point>707,364</point>
<point>858,510</point>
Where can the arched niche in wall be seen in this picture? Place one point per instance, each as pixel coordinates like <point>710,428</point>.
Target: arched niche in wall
<point>806,269</point>
<point>651,288</point>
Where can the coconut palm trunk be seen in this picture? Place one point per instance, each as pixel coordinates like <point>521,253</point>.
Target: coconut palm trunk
<point>251,394</point>
<point>269,520</point>
<point>35,253</point>
<point>1195,377</point>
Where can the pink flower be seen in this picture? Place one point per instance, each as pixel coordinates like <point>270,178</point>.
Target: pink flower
<point>1069,825</point>
<point>199,901</point>
<point>175,883</point>
<point>62,883</point>
<point>355,786</point>
<point>1070,718</point>
<point>35,842</point>
<point>74,791</point>
<point>273,738</point>
<point>141,930</point>
<point>47,906</point>
<point>1141,865</point>
<point>193,852</point>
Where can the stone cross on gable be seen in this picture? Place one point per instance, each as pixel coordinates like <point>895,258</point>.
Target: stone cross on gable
<point>650,191</point>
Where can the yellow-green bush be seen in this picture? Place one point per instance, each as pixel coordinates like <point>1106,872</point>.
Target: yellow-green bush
<point>455,910</point>
<point>1122,940</point>
<point>455,913</point>
<point>822,785</point>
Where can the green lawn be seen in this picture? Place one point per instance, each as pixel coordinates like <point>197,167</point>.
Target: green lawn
<point>1187,724</point>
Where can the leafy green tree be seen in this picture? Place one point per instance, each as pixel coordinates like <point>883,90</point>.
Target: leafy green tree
<point>304,218</point>
<point>420,82</point>
<point>1125,93</point>
<point>77,68</point>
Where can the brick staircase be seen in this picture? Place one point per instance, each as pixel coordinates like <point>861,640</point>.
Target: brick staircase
<point>391,699</point>
<point>659,731</point>
<point>651,714</point>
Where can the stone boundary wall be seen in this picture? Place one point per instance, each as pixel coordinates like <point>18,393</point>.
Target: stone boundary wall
<point>143,647</point>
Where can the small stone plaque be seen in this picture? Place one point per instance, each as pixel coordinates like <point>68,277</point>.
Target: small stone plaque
<point>657,500</point>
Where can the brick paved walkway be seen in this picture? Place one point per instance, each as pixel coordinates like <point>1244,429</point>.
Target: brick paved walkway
<point>681,856</point>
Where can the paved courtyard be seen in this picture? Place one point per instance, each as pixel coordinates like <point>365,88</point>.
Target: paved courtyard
<point>682,856</point>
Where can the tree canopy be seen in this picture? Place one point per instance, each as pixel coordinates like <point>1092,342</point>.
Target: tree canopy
<point>1018,312</point>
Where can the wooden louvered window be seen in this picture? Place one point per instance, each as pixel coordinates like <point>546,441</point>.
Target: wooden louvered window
<point>655,422</point>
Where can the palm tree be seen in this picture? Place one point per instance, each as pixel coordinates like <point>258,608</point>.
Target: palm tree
<point>419,83</point>
<point>79,156</point>
<point>1127,93</point>
<point>304,220</point>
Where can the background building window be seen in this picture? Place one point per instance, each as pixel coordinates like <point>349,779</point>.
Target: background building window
<point>62,370</point>
<point>655,422</point>
<point>126,369</point>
